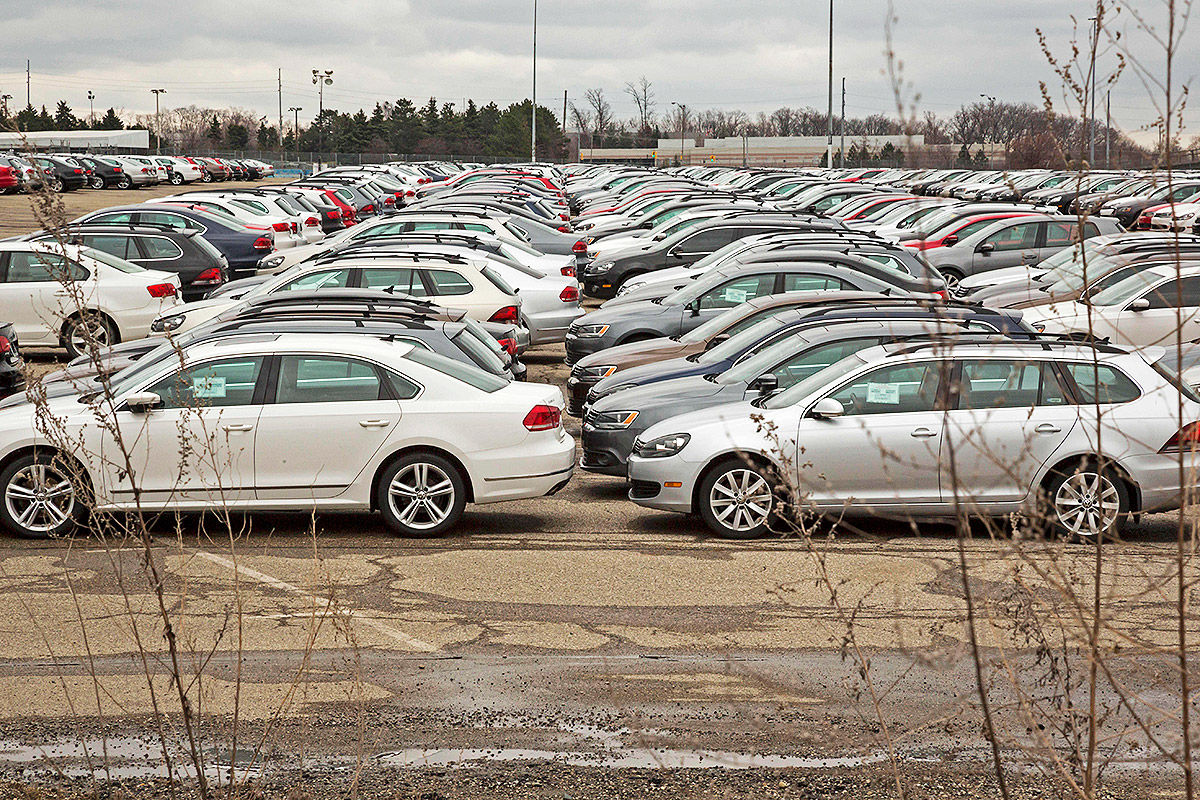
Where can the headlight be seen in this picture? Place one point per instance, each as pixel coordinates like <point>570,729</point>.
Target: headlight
<point>596,269</point>
<point>663,446</point>
<point>591,331</point>
<point>167,324</point>
<point>270,262</point>
<point>596,372</point>
<point>612,420</point>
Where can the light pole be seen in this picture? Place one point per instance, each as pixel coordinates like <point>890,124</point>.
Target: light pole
<point>295,131</point>
<point>829,144</point>
<point>91,108</point>
<point>992,120</point>
<point>681,115</point>
<point>533,113</point>
<point>157,123</point>
<point>1091,126</point>
<point>321,78</point>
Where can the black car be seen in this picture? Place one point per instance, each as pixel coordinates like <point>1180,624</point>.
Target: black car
<point>1127,210</point>
<point>61,176</point>
<point>105,174</point>
<point>242,246</point>
<point>12,378</point>
<point>200,266</point>
<point>604,276</point>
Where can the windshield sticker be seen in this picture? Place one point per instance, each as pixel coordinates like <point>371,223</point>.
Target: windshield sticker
<point>735,295</point>
<point>885,393</point>
<point>208,386</point>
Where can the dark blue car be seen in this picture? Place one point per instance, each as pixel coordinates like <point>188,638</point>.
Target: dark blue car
<point>241,244</point>
<point>766,332</point>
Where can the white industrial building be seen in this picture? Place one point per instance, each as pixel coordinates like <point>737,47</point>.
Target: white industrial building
<point>75,140</point>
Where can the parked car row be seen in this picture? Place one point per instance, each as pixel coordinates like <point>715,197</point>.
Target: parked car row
<point>68,172</point>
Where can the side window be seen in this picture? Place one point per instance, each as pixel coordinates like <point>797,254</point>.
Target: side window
<point>433,226</point>
<point>903,388</point>
<point>166,220</point>
<point>1008,384</point>
<point>401,279</point>
<point>326,379</point>
<point>889,262</point>
<point>826,203</point>
<point>159,247</point>
<point>402,387</point>
<point>973,227</point>
<point>800,366</point>
<point>229,382</point>
<point>1171,293</point>
<point>475,226</point>
<point>807,282</point>
<point>1062,234</point>
<point>737,291</point>
<point>1015,237</point>
<point>1102,382</point>
<point>752,319</point>
<point>123,218</point>
<point>325,279</point>
<point>116,245</point>
<point>25,267</point>
<point>1090,230</point>
<point>391,229</point>
<point>705,241</point>
<point>446,282</point>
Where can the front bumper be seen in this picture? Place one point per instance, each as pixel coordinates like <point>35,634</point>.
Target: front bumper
<point>648,478</point>
<point>606,451</point>
<point>577,392</point>
<point>578,347</point>
<point>549,327</point>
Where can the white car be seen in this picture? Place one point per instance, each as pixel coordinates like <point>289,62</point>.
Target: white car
<point>286,229</point>
<point>160,170</point>
<point>140,174</point>
<point>265,170</point>
<point>54,294</point>
<point>461,283</point>
<point>179,170</point>
<point>271,204</point>
<point>303,423</point>
<point>1145,309</point>
<point>1178,217</point>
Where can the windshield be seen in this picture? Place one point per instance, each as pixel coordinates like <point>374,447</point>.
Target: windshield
<point>682,224</point>
<point>818,380</point>
<point>1069,276</point>
<point>760,362</point>
<point>1126,290</point>
<point>736,344</point>
<point>708,330</point>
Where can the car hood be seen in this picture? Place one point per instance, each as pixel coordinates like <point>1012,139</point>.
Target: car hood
<point>641,309</point>
<point>692,421</point>
<point>622,248</point>
<point>654,373</point>
<point>1000,277</point>
<point>668,393</point>
<point>633,353</point>
<point>235,289</point>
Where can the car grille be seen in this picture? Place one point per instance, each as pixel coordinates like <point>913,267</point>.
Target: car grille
<point>644,490</point>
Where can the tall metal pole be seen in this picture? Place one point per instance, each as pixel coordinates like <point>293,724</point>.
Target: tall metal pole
<point>842,126</point>
<point>91,108</point>
<point>533,112</point>
<point>157,123</point>
<point>295,131</point>
<point>28,96</point>
<point>280,77</point>
<point>1107,128</point>
<point>829,145</point>
<point>1091,126</point>
<point>321,78</point>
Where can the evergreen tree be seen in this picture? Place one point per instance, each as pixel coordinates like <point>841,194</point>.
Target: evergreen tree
<point>45,122</point>
<point>110,121</point>
<point>214,134</point>
<point>27,119</point>
<point>236,136</point>
<point>268,137</point>
<point>64,119</point>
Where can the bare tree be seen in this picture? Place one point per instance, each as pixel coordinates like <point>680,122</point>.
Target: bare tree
<point>643,98</point>
<point>601,111</point>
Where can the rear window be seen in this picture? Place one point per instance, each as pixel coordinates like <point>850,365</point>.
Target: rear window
<point>497,281</point>
<point>458,370</point>
<point>1101,383</point>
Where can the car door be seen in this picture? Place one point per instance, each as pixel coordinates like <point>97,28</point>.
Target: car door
<point>35,296</point>
<point>325,420</point>
<point>697,246</point>
<point>1166,307</point>
<point>197,445</point>
<point>116,244</point>
<point>1011,246</point>
<point>1006,418</point>
<point>892,425</point>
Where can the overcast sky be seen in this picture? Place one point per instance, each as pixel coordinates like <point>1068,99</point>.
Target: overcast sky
<point>755,55</point>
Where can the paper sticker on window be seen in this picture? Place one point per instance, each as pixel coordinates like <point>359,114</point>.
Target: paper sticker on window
<point>885,393</point>
<point>735,295</point>
<point>208,386</point>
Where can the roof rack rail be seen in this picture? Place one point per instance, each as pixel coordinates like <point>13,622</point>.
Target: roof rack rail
<point>1045,341</point>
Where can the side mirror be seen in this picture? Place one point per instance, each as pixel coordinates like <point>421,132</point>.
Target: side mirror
<point>142,402</point>
<point>767,383</point>
<point>827,408</point>
<point>1141,304</point>
<point>950,241</point>
<point>677,254</point>
<point>694,307</point>
<point>985,249</point>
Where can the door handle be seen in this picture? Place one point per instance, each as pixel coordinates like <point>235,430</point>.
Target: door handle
<point>374,423</point>
<point>1046,427</point>
<point>238,428</point>
<point>923,433</point>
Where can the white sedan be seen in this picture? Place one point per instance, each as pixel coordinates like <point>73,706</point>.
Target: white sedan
<point>55,294</point>
<point>298,422</point>
<point>1145,309</point>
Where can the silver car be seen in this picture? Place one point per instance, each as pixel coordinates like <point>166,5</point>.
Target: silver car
<point>1086,435</point>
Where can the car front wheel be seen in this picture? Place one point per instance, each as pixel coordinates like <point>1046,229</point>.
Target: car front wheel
<point>40,498</point>
<point>1087,503</point>
<point>738,499</point>
<point>421,495</point>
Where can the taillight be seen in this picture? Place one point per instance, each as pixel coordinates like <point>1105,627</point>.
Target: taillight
<point>6,346</point>
<point>389,201</point>
<point>295,227</point>
<point>579,247</point>
<point>509,344</point>
<point>312,222</point>
<point>942,293</point>
<point>569,294</point>
<point>263,243</point>
<point>369,208</point>
<point>77,171</point>
<point>116,169</point>
<point>563,217</point>
<point>506,314</point>
<point>424,180</point>
<point>568,272</point>
<point>410,193</point>
<point>208,277</point>
<point>279,226</point>
<point>543,418</point>
<point>161,290</point>
<point>1188,438</point>
<point>334,214</point>
<point>564,229</point>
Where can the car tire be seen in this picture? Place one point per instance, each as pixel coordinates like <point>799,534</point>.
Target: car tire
<point>953,277</point>
<point>1085,503</point>
<point>421,495</point>
<point>41,497</point>
<point>97,182</point>
<point>738,499</point>
<point>125,182</point>
<point>176,179</point>
<point>206,177</point>
<point>57,186</point>
<point>74,336</point>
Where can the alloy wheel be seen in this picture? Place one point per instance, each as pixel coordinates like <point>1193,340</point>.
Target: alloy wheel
<point>421,496</point>
<point>86,330</point>
<point>1087,504</point>
<point>40,498</point>
<point>741,499</point>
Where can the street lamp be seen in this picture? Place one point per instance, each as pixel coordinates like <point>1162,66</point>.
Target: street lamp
<point>829,143</point>
<point>533,114</point>
<point>295,131</point>
<point>91,108</point>
<point>681,115</point>
<point>157,123</point>
<point>321,78</point>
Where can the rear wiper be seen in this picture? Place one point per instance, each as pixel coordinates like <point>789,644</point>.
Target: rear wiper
<point>694,357</point>
<point>712,377</point>
<point>656,300</point>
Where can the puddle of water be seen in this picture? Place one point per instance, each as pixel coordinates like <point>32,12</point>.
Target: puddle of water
<point>115,757</point>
